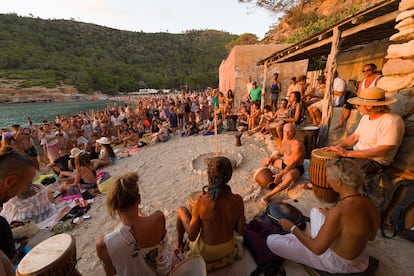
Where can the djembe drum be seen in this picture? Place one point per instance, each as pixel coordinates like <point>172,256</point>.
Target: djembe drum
<point>231,122</point>
<point>54,256</point>
<point>309,136</point>
<point>238,135</point>
<point>264,177</point>
<point>273,126</point>
<point>317,173</point>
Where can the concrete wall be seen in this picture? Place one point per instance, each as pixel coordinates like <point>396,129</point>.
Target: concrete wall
<point>286,71</point>
<point>350,63</point>
<point>241,63</point>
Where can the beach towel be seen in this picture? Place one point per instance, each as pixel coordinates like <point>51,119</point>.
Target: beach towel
<point>41,177</point>
<point>104,186</point>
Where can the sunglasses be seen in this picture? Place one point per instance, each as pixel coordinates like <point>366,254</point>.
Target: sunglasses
<point>368,70</point>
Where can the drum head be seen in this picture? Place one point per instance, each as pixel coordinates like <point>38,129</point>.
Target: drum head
<point>284,210</point>
<point>44,254</point>
<point>276,123</point>
<point>194,265</point>
<point>308,128</point>
<point>322,154</point>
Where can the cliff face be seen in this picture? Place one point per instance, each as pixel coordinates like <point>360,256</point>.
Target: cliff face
<point>297,18</point>
<point>10,92</point>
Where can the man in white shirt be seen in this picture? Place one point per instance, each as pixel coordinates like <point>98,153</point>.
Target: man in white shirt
<point>378,136</point>
<point>339,88</point>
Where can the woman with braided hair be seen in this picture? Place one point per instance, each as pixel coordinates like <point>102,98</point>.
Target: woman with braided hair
<point>214,217</point>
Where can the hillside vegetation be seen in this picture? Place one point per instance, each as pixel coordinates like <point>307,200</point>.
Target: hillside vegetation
<point>94,58</point>
<point>309,17</point>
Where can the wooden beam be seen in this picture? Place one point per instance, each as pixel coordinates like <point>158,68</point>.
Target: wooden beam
<point>304,50</point>
<point>370,24</point>
<point>327,110</point>
<point>264,87</point>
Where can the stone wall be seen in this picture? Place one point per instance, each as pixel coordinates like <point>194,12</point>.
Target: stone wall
<point>398,79</point>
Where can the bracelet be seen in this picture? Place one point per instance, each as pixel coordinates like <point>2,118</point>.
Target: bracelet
<point>293,228</point>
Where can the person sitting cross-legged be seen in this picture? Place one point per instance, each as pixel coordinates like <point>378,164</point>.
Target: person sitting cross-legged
<point>214,217</point>
<point>291,165</point>
<point>338,235</point>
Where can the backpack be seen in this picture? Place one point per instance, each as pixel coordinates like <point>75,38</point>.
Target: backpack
<point>263,225</point>
<point>397,211</point>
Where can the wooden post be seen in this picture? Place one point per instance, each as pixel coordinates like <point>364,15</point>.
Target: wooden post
<point>216,144</point>
<point>262,101</point>
<point>327,109</point>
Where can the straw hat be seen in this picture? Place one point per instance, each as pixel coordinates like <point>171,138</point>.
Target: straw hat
<point>373,96</point>
<point>75,152</point>
<point>103,141</point>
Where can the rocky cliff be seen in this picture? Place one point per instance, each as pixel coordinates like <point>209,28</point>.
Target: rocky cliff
<point>299,17</point>
<point>11,92</point>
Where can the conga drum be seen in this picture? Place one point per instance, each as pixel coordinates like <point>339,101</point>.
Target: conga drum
<point>264,177</point>
<point>309,137</point>
<point>54,256</point>
<point>238,135</point>
<point>274,125</point>
<point>317,174</point>
<point>231,122</point>
<point>193,196</point>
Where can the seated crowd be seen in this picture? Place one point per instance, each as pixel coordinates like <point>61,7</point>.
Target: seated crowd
<point>76,147</point>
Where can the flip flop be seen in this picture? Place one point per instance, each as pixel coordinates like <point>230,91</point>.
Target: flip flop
<point>307,186</point>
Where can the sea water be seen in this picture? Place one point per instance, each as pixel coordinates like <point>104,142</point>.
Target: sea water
<point>17,113</point>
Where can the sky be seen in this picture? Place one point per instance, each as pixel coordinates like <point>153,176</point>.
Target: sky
<point>150,16</point>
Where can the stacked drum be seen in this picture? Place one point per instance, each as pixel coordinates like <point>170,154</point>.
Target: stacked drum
<point>309,136</point>
<point>317,174</point>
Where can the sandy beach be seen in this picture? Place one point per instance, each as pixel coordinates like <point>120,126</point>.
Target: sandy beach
<point>167,177</point>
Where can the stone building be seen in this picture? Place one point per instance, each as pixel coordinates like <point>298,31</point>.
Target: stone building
<point>240,64</point>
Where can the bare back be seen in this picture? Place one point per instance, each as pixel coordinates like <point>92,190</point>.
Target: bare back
<point>219,219</point>
<point>355,221</point>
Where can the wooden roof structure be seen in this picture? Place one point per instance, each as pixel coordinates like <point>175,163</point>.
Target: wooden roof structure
<point>374,23</point>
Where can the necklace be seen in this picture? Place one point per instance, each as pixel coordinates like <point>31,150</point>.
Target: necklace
<point>349,196</point>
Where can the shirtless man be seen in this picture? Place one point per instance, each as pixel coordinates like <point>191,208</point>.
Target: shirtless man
<point>16,172</point>
<point>293,152</point>
<point>216,213</point>
<point>339,235</point>
<point>24,144</point>
<point>131,139</point>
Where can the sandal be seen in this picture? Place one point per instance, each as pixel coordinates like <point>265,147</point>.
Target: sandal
<point>307,186</point>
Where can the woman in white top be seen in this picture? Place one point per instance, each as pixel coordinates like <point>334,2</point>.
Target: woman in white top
<point>138,246</point>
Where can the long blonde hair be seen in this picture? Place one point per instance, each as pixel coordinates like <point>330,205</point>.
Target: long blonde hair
<point>123,194</point>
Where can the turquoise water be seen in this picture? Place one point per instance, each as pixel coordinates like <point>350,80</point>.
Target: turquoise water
<point>17,113</point>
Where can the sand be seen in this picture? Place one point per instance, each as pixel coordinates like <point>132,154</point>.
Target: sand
<point>167,177</point>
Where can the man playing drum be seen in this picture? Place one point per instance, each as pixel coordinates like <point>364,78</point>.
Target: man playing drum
<point>293,152</point>
<point>377,137</point>
<point>16,172</point>
<point>339,235</point>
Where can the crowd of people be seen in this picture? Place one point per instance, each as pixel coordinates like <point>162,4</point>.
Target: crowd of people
<point>75,147</point>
